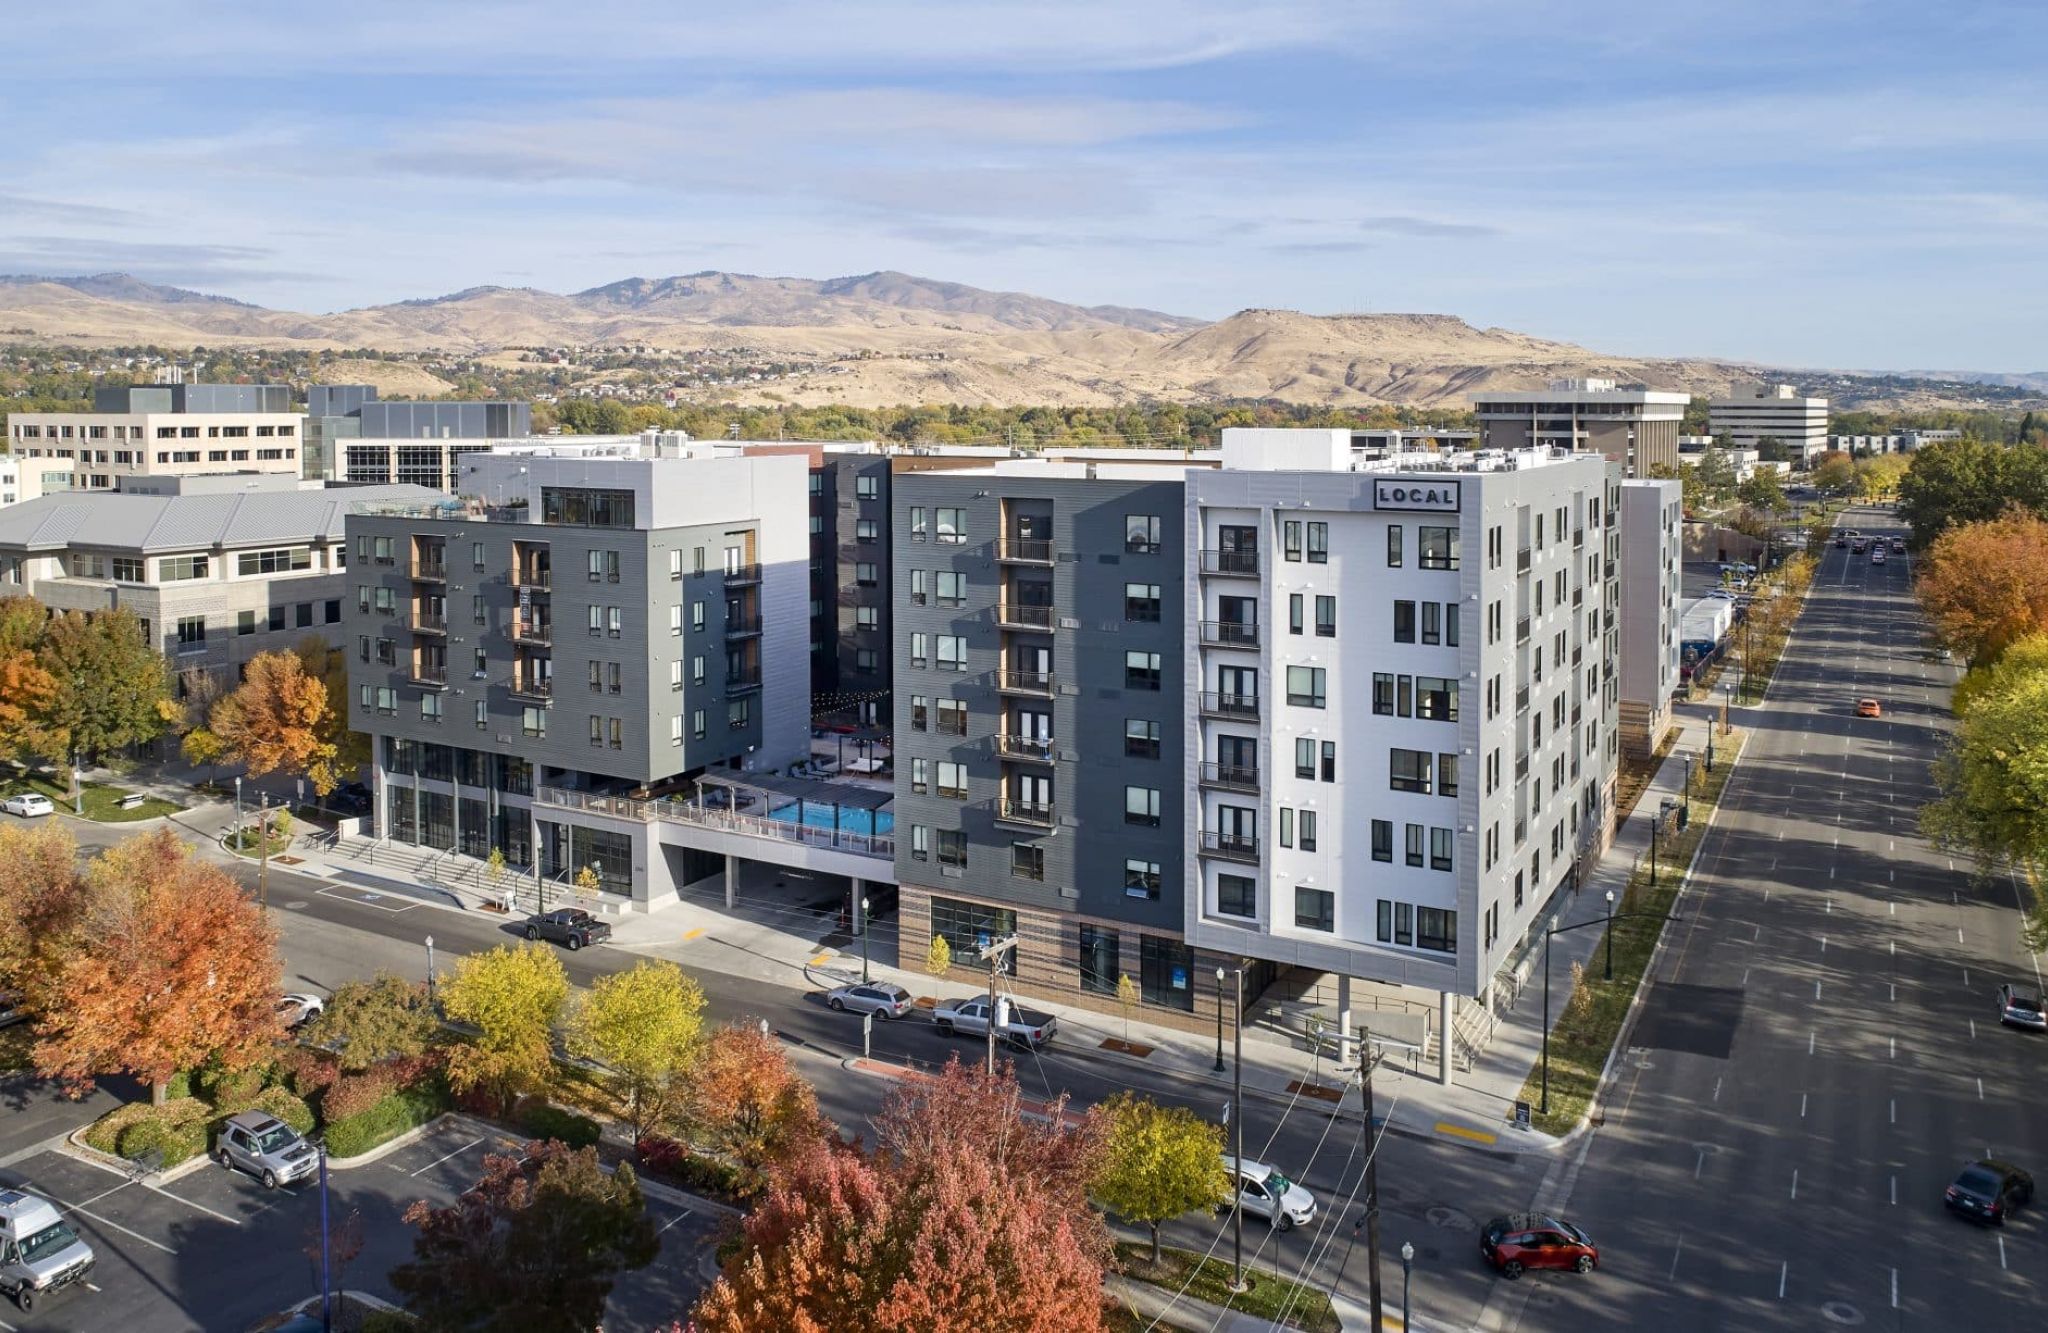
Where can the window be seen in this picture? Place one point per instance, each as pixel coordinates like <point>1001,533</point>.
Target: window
<point>920,586</point>
<point>920,648</point>
<point>920,775</point>
<point>1027,860</point>
<point>613,623</point>
<point>864,573</point>
<point>534,721</point>
<point>919,530</point>
<point>476,555</point>
<point>1436,929</point>
<point>127,570</point>
<point>1294,606</point>
<point>920,842</point>
<point>596,729</point>
<point>1436,698</point>
<point>1305,686</point>
<point>181,567</point>
<point>280,561</point>
<point>1141,738</point>
<point>1432,622</point>
<point>1315,909</point>
<point>1141,879</point>
<point>483,715</point>
<point>951,525</point>
<point>1305,758</point>
<point>387,652</point>
<point>918,706</point>
<point>1329,761</point>
<point>952,852</point>
<point>1404,924</point>
<point>302,615</point>
<point>867,486</point>
<point>596,616</point>
<point>1141,671</point>
<point>1141,602</point>
<point>1382,840</point>
<point>696,615</point>
<point>739,714</point>
<point>1099,966</point>
<point>1404,622</point>
<point>1166,972</point>
<point>1237,895</point>
<point>1393,546</point>
<point>1439,547</point>
<point>1141,534</point>
<point>953,779</point>
<point>865,659</point>
<point>1412,844</point>
<point>1290,539</point>
<point>867,617</point>
<point>697,724</point>
<point>953,717</point>
<point>952,652</point>
<point>1409,770</point>
<point>950,587</point>
<point>1307,823</point>
<point>697,669</point>
<point>1141,806</point>
<point>191,632</point>
<point>1447,775</point>
<point>1319,543</point>
<point>245,622</point>
<point>430,707</point>
<point>1383,693</point>
<point>1286,826</point>
<point>1326,617</point>
<point>1440,849</point>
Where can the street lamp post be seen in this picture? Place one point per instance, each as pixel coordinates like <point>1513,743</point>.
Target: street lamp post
<point>326,1279</point>
<point>1610,935</point>
<point>238,807</point>
<point>1655,823</point>
<point>863,939</point>
<point>1219,1020</point>
<point>430,968</point>
<point>1407,1266</point>
<point>1237,1282</point>
<point>1543,1103</point>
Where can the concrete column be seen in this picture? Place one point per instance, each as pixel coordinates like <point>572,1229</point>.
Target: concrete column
<point>1344,1051</point>
<point>732,880</point>
<point>1443,1047</point>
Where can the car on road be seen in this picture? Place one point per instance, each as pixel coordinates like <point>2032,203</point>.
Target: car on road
<point>39,1252</point>
<point>1264,1192</point>
<point>1027,1028</point>
<point>1898,546</point>
<point>1869,708</point>
<point>1530,1240</point>
<point>2020,1007</point>
<point>1989,1190</point>
<point>1856,545</point>
<point>11,1011</point>
<point>1877,554</point>
<point>1721,594</point>
<point>1841,542</point>
<point>878,998</point>
<point>28,805</point>
<point>298,1008</point>
<point>266,1147</point>
<point>571,926</point>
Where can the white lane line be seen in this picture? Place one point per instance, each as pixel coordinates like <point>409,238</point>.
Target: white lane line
<point>1802,1106</point>
<point>672,1221</point>
<point>1895,1047</point>
<point>232,1221</point>
<point>1959,934</point>
<point>1895,1289</point>
<point>1973,1029</point>
<point>1676,1250</point>
<point>1895,1191</point>
<point>104,1193</point>
<point>1699,1164</point>
<point>1745,976</point>
<point>1809,1051</point>
<point>1980,1087</point>
<point>1795,1182</point>
<point>1784,1268</point>
<point>1717,1089</point>
<point>1823,944</point>
<point>1895,990</point>
<point>1895,910</point>
<point>1895,1110</point>
<point>1816,990</point>
<point>438,1160</point>
<point>2001,1252</point>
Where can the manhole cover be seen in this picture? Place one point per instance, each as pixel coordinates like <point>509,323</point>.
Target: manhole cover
<point>297,905</point>
<point>1841,1312</point>
<point>1451,1219</point>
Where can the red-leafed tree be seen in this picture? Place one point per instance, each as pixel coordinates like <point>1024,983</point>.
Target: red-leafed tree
<point>745,1102</point>
<point>172,967</point>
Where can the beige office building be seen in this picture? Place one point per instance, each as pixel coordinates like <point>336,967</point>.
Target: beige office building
<point>1773,411</point>
<point>1635,427</point>
<point>165,430</point>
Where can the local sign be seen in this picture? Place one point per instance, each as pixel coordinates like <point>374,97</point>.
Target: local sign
<point>1437,494</point>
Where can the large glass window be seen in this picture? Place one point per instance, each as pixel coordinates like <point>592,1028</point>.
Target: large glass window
<point>969,926</point>
<point>1315,909</point>
<point>1099,964</point>
<point>1438,546</point>
<point>581,507</point>
<point>1237,895</point>
<point>1166,972</point>
<point>1436,698</point>
<point>1141,879</point>
<point>1409,770</point>
<point>610,853</point>
<point>1306,686</point>
<point>1436,929</point>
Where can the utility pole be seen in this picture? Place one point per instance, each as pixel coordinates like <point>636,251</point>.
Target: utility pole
<point>1372,1181</point>
<point>993,951</point>
<point>1237,1283</point>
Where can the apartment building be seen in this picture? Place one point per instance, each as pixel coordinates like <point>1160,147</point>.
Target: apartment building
<point>1635,427</point>
<point>1652,554</point>
<point>165,429</point>
<point>575,631</point>
<point>1772,411</point>
<point>215,578</point>
<point>1402,694</point>
<point>852,618</point>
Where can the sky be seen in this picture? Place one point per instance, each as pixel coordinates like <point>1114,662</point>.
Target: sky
<point>1825,183</point>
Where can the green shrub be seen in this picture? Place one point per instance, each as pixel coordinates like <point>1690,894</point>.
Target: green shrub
<point>306,1071</point>
<point>543,1121</point>
<point>180,1085</point>
<point>176,1131</point>
<point>388,1321</point>
<point>104,1133</point>
<point>279,1102</point>
<point>395,1114</point>
<point>353,1094</point>
<point>232,1090</point>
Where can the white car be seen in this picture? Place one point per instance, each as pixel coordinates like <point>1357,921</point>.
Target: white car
<point>1264,1192</point>
<point>878,998</point>
<point>28,805</point>
<point>297,1008</point>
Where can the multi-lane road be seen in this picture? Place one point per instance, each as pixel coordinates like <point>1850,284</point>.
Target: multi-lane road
<point>1822,1051</point>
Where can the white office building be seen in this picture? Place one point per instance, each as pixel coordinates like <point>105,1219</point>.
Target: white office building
<point>31,478</point>
<point>1421,657</point>
<point>165,430</point>
<point>1772,411</point>
<point>1652,553</point>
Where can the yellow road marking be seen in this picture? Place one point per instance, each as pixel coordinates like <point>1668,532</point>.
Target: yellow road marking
<point>821,958</point>
<point>693,934</point>
<point>1459,1131</point>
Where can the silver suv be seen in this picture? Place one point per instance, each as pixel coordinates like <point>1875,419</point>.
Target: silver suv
<point>266,1148</point>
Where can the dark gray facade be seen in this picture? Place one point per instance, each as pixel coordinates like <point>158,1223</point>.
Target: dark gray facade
<point>851,561</point>
<point>338,400</point>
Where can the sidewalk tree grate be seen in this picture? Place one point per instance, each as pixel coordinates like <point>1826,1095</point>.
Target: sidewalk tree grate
<point>1127,1047</point>
<point>1317,1090</point>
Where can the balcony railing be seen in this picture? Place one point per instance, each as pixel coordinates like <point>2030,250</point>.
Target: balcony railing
<point>541,633</point>
<point>1237,707</point>
<point>1244,564</point>
<point>426,622</point>
<point>1024,682</point>
<point>739,575</point>
<point>1230,846</point>
<point>1521,766</point>
<point>1024,551</point>
<point>434,677</point>
<point>1035,748</point>
<point>1522,558</point>
<point>1037,814</point>
<point>542,688</point>
<point>1230,634</point>
<point>430,571</point>
<point>1230,777</point>
<point>745,683</point>
<point>677,811</point>
<point>1024,617</point>
<point>742,626</point>
<point>534,580</point>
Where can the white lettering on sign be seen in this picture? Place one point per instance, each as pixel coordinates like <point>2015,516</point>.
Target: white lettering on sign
<point>1414,493</point>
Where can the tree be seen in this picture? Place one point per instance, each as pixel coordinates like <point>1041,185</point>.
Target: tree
<point>642,1026</point>
<point>512,996</point>
<point>329,665</point>
<point>1985,584</point>
<point>2021,659</point>
<point>201,746</point>
<point>1158,1163</point>
<point>1834,471</point>
<point>1771,449</point>
<point>275,720</point>
<point>1763,490</point>
<point>1716,473</point>
<point>587,884</point>
<point>938,959</point>
<point>1127,998</point>
<point>27,692</point>
<point>745,1102</point>
<point>113,689</point>
<point>1691,494</point>
<point>178,968</point>
<point>534,1248</point>
<point>368,1022</point>
<point>1994,787</point>
<point>1968,481</point>
<point>42,901</point>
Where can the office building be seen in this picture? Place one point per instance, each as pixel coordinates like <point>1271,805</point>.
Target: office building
<point>23,478</point>
<point>1652,553</point>
<point>354,436</point>
<point>1635,427</point>
<point>1772,412</point>
<point>1403,689</point>
<point>165,429</point>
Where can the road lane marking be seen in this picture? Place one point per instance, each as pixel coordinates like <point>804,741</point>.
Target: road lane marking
<point>1802,1106</point>
<point>116,1226</point>
<point>1959,934</point>
<point>1895,990</point>
<point>1973,1029</point>
<point>1895,1289</point>
<point>1823,944</point>
<point>1676,1250</point>
<point>414,1175</point>
<point>693,933</point>
<point>1895,1110</point>
<point>1895,1047</point>
<point>1966,978</point>
<point>1460,1132</point>
<point>1816,990</point>
<point>2001,1252</point>
<point>821,960</point>
<point>1717,1089</point>
<point>232,1221</point>
<point>1809,1051</point>
<point>1895,1191</point>
<point>1980,1087</point>
<point>1795,1182</point>
<point>1784,1267</point>
<point>672,1221</point>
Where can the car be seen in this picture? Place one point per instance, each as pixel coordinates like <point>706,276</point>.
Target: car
<point>1722,594</point>
<point>571,926</point>
<point>28,805</point>
<point>265,1147</point>
<point>11,1011</point>
<point>1869,708</point>
<point>298,1008</point>
<point>2020,1007</point>
<point>1989,1190</point>
<point>1028,1029</point>
<point>1264,1192</point>
<point>40,1254</point>
<point>877,997</point>
<point>1534,1240</point>
<point>1898,546</point>
<point>1841,542</point>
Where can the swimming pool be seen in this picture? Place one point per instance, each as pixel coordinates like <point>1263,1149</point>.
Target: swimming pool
<point>851,820</point>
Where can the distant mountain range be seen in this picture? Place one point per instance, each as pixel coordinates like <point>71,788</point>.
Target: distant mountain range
<point>888,338</point>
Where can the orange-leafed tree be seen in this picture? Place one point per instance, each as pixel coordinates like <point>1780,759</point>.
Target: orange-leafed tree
<point>42,900</point>
<point>26,693</point>
<point>745,1101</point>
<point>277,720</point>
<point>1985,585</point>
<point>172,967</point>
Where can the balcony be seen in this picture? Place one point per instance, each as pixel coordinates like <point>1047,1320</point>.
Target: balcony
<point>430,571</point>
<point>540,634</point>
<point>540,689</point>
<point>1239,564</point>
<point>1234,707</point>
<point>1030,814</point>
<point>1032,749</point>
<point>745,683</point>
<point>1036,683</point>
<point>1230,777</point>
<point>430,677</point>
<point>739,576</point>
<point>1024,551</point>
<point>1024,617</point>
<point>1522,700</point>
<point>743,626</point>
<point>1521,769</point>
<point>534,580</point>
<point>1578,537</point>
<point>1231,847</point>
<point>1230,634</point>
<point>1522,630</point>
<point>428,622</point>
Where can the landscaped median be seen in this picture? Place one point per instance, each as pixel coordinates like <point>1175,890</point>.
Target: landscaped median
<point>1207,1279</point>
<point>103,803</point>
<point>1595,1009</point>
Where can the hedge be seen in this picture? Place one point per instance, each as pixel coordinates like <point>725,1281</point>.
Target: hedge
<point>667,1159</point>
<point>279,1102</point>
<point>176,1131</point>
<point>543,1121</point>
<point>394,1115</point>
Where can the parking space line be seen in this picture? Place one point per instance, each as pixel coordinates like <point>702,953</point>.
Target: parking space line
<point>438,1160</point>
<point>232,1221</point>
<point>672,1221</point>
<point>115,1226</point>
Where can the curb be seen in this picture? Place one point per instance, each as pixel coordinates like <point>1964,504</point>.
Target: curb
<point>74,1145</point>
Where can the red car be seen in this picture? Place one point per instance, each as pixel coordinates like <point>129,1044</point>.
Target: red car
<point>1529,1240</point>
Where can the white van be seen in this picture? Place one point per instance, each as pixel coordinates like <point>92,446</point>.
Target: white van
<point>39,1252</point>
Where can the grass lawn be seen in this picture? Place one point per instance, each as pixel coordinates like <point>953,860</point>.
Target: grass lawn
<point>246,842</point>
<point>1306,1307</point>
<point>1586,1029</point>
<point>102,802</point>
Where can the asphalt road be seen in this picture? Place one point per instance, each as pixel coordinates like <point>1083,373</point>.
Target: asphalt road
<point>1822,1050</point>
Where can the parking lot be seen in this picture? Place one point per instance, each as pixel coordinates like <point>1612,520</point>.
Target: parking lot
<point>215,1250</point>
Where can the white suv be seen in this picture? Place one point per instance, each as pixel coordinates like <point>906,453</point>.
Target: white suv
<point>1266,1193</point>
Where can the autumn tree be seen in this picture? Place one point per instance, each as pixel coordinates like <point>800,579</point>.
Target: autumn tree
<point>642,1026</point>
<point>512,996</point>
<point>27,693</point>
<point>1954,482</point>
<point>274,721</point>
<point>113,688</point>
<point>328,664</point>
<point>366,1022</point>
<point>744,1101</point>
<point>176,969</point>
<point>1834,471</point>
<point>1159,1162</point>
<point>535,1247</point>
<point>1994,786</point>
<point>42,900</point>
<point>1762,491</point>
<point>1986,584</point>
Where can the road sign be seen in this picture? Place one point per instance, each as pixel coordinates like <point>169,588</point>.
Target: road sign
<point>1522,1116</point>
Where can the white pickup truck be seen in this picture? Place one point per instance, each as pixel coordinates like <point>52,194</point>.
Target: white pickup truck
<point>1027,1028</point>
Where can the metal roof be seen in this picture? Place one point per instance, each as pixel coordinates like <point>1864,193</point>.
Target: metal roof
<point>112,520</point>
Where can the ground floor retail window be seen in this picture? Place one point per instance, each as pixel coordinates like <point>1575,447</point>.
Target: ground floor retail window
<point>610,853</point>
<point>969,926</point>
<point>1166,972</point>
<point>1099,963</point>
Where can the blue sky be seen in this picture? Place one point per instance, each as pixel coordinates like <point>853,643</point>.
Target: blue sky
<point>1807,182</point>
